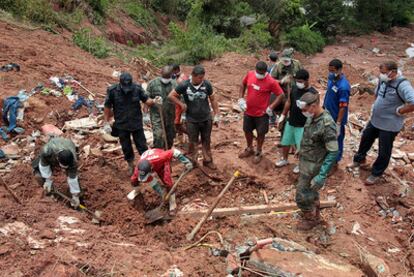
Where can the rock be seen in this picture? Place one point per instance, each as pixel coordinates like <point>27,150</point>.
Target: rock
<point>47,234</point>
<point>11,150</point>
<point>398,154</point>
<point>87,150</point>
<point>4,249</point>
<point>411,156</point>
<point>236,108</point>
<point>62,270</point>
<point>51,130</point>
<point>108,138</point>
<point>82,123</point>
<point>373,266</point>
<point>287,258</point>
<point>96,152</point>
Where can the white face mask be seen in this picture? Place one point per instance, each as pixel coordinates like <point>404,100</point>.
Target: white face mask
<point>260,76</point>
<point>166,81</point>
<point>308,114</point>
<point>384,77</point>
<point>287,62</point>
<point>300,85</point>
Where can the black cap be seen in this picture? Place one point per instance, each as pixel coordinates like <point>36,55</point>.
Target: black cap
<point>144,168</point>
<point>126,82</point>
<point>65,158</point>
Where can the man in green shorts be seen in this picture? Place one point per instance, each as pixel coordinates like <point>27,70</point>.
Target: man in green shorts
<point>293,132</point>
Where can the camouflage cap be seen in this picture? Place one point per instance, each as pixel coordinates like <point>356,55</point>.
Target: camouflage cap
<point>309,98</point>
<point>287,53</point>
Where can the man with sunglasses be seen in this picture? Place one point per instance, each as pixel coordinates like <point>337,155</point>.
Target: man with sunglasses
<point>394,99</point>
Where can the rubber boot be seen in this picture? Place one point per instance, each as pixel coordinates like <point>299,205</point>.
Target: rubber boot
<point>310,219</point>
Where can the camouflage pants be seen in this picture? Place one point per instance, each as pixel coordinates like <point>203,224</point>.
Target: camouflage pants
<point>306,197</point>
<point>158,132</point>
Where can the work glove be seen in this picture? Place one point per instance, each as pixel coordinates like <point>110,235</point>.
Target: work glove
<point>183,118</point>
<point>47,185</point>
<point>242,104</point>
<point>75,202</point>
<point>216,120</point>
<point>286,80</point>
<point>269,111</point>
<point>189,166</point>
<point>317,183</point>
<point>107,128</point>
<point>281,119</point>
<point>158,100</point>
<point>338,130</point>
<point>397,111</point>
<point>146,119</point>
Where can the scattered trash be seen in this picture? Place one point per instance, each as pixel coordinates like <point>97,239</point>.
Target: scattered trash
<point>81,101</point>
<point>174,271</point>
<point>116,74</point>
<point>10,67</point>
<point>410,51</point>
<point>376,50</point>
<point>58,82</point>
<point>393,250</point>
<point>356,229</point>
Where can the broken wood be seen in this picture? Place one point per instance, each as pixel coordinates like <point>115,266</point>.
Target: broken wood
<point>266,199</point>
<point>206,215</point>
<point>10,191</point>
<point>259,209</point>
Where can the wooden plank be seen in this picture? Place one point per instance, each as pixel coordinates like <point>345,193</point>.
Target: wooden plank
<point>259,209</point>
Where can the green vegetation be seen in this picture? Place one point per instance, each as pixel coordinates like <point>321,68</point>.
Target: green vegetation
<point>304,39</point>
<point>93,44</point>
<point>138,12</point>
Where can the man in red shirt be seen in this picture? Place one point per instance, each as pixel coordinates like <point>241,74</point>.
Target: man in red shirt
<point>260,85</point>
<point>155,162</point>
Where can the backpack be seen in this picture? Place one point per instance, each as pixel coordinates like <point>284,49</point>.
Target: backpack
<point>396,89</point>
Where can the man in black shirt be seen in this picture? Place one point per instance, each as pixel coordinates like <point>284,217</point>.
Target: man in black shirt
<point>123,102</point>
<point>196,93</point>
<point>293,132</point>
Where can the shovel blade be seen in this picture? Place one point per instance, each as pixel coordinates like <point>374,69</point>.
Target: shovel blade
<point>155,215</point>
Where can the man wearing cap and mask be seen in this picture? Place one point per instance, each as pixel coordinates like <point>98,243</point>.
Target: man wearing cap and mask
<point>58,152</point>
<point>157,163</point>
<point>394,100</point>
<point>123,102</point>
<point>284,71</point>
<point>161,87</point>
<point>259,86</point>
<point>317,155</point>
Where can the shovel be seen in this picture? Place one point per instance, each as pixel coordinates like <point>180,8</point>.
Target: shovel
<point>157,213</point>
<point>96,215</point>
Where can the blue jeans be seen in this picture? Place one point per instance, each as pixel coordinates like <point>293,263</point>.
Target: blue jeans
<point>341,139</point>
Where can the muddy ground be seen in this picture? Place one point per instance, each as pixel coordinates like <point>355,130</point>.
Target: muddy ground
<point>44,237</point>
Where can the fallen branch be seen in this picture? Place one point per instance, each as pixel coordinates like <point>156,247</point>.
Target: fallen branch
<point>10,191</point>
<point>259,209</point>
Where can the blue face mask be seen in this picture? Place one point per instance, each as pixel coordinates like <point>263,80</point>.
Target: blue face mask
<point>331,75</point>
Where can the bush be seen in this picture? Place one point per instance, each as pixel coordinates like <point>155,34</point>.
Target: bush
<point>138,13</point>
<point>94,45</point>
<point>255,38</point>
<point>304,39</point>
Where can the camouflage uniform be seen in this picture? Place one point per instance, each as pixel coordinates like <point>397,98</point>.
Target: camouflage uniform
<point>319,140</point>
<point>157,88</point>
<point>280,70</point>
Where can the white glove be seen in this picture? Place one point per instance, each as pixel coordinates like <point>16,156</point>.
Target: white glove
<point>158,100</point>
<point>75,202</point>
<point>281,118</point>
<point>189,166</point>
<point>269,111</point>
<point>216,119</point>
<point>242,104</point>
<point>338,130</point>
<point>183,118</point>
<point>285,80</point>
<point>146,119</point>
<point>47,186</point>
<point>107,128</point>
<point>397,111</point>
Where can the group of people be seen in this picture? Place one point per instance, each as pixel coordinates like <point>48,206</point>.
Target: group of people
<point>280,94</point>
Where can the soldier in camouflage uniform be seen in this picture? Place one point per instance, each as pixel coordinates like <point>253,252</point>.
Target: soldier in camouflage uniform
<point>58,152</point>
<point>162,86</point>
<point>284,71</point>
<point>318,152</point>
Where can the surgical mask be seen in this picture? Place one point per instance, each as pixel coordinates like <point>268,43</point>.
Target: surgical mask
<point>63,166</point>
<point>384,77</point>
<point>308,114</point>
<point>287,62</point>
<point>300,85</point>
<point>166,81</point>
<point>260,76</point>
<point>332,75</point>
